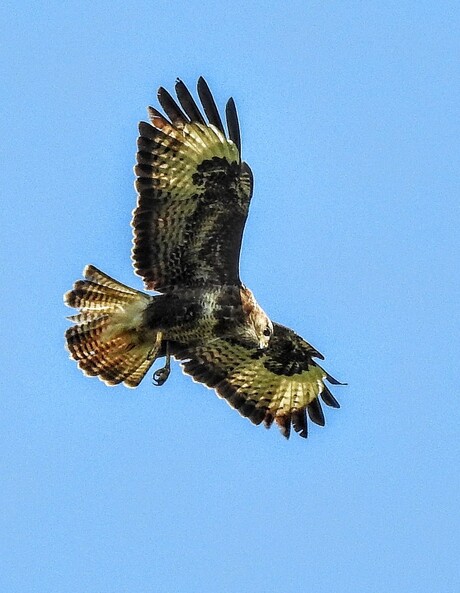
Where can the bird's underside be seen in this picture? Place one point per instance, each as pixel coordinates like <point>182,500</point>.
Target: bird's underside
<point>193,198</point>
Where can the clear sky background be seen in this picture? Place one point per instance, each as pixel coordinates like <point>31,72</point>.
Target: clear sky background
<point>350,122</point>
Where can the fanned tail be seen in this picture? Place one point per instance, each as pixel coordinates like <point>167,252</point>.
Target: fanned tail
<point>105,340</point>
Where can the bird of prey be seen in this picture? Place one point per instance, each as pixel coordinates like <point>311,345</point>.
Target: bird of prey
<point>194,191</point>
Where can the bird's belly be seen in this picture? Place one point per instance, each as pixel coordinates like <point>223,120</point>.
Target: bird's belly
<point>191,317</point>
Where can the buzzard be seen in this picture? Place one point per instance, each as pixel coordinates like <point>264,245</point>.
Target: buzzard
<point>194,192</point>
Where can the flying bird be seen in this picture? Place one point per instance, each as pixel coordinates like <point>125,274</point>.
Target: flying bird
<point>194,191</point>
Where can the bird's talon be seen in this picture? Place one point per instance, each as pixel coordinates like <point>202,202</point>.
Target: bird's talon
<point>160,376</point>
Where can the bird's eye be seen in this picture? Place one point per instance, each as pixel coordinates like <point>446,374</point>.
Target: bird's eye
<point>267,332</point>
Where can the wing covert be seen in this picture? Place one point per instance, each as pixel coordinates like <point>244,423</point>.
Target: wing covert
<point>193,194</point>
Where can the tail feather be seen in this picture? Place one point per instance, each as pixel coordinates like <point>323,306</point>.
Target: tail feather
<point>88,295</point>
<point>105,340</point>
<point>98,277</point>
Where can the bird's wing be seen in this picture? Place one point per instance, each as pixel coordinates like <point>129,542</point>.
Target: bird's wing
<point>281,383</point>
<point>193,194</point>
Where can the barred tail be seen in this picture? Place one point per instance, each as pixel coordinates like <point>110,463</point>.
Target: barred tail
<point>105,340</point>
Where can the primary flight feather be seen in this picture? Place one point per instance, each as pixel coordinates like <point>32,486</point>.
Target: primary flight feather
<point>194,192</point>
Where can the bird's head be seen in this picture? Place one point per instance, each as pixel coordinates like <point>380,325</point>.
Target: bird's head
<point>258,327</point>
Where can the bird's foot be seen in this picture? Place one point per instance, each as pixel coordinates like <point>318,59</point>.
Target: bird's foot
<point>160,376</point>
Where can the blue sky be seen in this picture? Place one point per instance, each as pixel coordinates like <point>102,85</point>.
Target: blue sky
<point>349,114</point>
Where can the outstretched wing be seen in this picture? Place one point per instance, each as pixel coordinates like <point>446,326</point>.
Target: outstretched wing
<point>194,193</point>
<point>281,383</point>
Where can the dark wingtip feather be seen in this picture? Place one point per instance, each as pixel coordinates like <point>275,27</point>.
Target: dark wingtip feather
<point>315,354</point>
<point>233,124</point>
<point>315,412</point>
<point>299,423</point>
<point>171,108</point>
<point>209,104</point>
<point>188,102</point>
<point>146,130</point>
<point>155,114</point>
<point>328,398</point>
<point>334,381</point>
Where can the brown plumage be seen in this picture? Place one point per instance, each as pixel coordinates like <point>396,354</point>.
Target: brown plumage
<point>194,192</point>
<point>280,383</point>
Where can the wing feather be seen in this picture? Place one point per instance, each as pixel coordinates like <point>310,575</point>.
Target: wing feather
<point>209,105</point>
<point>315,413</point>
<point>299,423</point>
<point>327,396</point>
<point>188,103</point>
<point>171,108</point>
<point>193,195</point>
<point>280,384</point>
<point>233,124</point>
